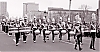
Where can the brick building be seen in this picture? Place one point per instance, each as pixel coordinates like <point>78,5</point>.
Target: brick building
<point>64,13</point>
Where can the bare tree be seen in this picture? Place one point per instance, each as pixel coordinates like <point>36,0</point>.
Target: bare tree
<point>85,7</point>
<point>85,10</point>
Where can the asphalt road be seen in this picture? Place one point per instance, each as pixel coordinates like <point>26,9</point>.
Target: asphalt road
<point>7,44</point>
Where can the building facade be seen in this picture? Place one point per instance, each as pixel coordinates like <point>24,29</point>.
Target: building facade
<point>64,13</point>
<point>32,9</point>
<point>37,14</point>
<point>3,10</point>
<point>29,7</point>
<point>99,12</point>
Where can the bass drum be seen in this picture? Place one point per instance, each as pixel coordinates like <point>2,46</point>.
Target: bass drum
<point>56,32</point>
<point>47,32</point>
<point>37,32</point>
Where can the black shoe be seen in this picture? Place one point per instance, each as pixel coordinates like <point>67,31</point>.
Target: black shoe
<point>94,49</point>
<point>69,41</point>
<point>81,43</point>
<point>16,44</point>
<point>75,48</point>
<point>44,41</point>
<point>47,38</point>
<point>80,49</point>
<point>90,47</point>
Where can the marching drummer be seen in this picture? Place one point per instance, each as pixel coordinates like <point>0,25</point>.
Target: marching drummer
<point>69,29</point>
<point>40,26</point>
<point>17,35</point>
<point>78,36</point>
<point>53,29</point>
<point>34,25</point>
<point>2,26</point>
<point>60,28</point>
<point>3,23</point>
<point>93,34</point>
<point>23,33</point>
<point>44,28</point>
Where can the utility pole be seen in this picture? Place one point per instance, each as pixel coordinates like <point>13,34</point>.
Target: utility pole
<point>26,7</point>
<point>69,9</point>
<point>25,15</point>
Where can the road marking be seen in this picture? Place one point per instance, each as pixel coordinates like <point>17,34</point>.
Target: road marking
<point>68,42</point>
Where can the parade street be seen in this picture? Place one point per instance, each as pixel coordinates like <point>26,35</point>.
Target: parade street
<point>7,44</point>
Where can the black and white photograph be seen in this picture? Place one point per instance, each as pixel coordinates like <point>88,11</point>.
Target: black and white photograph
<point>49,25</point>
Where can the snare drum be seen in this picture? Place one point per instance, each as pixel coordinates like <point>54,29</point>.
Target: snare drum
<point>72,32</point>
<point>34,27</point>
<point>37,32</point>
<point>47,32</point>
<point>63,31</point>
<point>56,32</point>
<point>60,28</point>
<point>93,30</point>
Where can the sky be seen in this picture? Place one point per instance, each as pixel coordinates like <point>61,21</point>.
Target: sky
<point>15,7</point>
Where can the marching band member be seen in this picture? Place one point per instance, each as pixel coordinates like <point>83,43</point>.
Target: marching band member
<point>47,37</point>
<point>60,28</point>
<point>44,35</point>
<point>23,33</point>
<point>34,28</point>
<point>9,26</point>
<point>81,34</point>
<point>69,29</point>
<point>53,29</point>
<point>48,25</point>
<point>3,24</point>
<point>17,35</point>
<point>93,34</point>
<point>53,35</point>
<point>45,27</point>
<point>40,26</point>
<point>78,36</point>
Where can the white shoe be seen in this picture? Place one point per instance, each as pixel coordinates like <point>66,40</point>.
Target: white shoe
<point>47,38</point>
<point>9,35</point>
<point>24,41</point>
<point>34,41</point>
<point>53,41</point>
<point>19,38</point>
<point>17,44</point>
<point>14,40</point>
